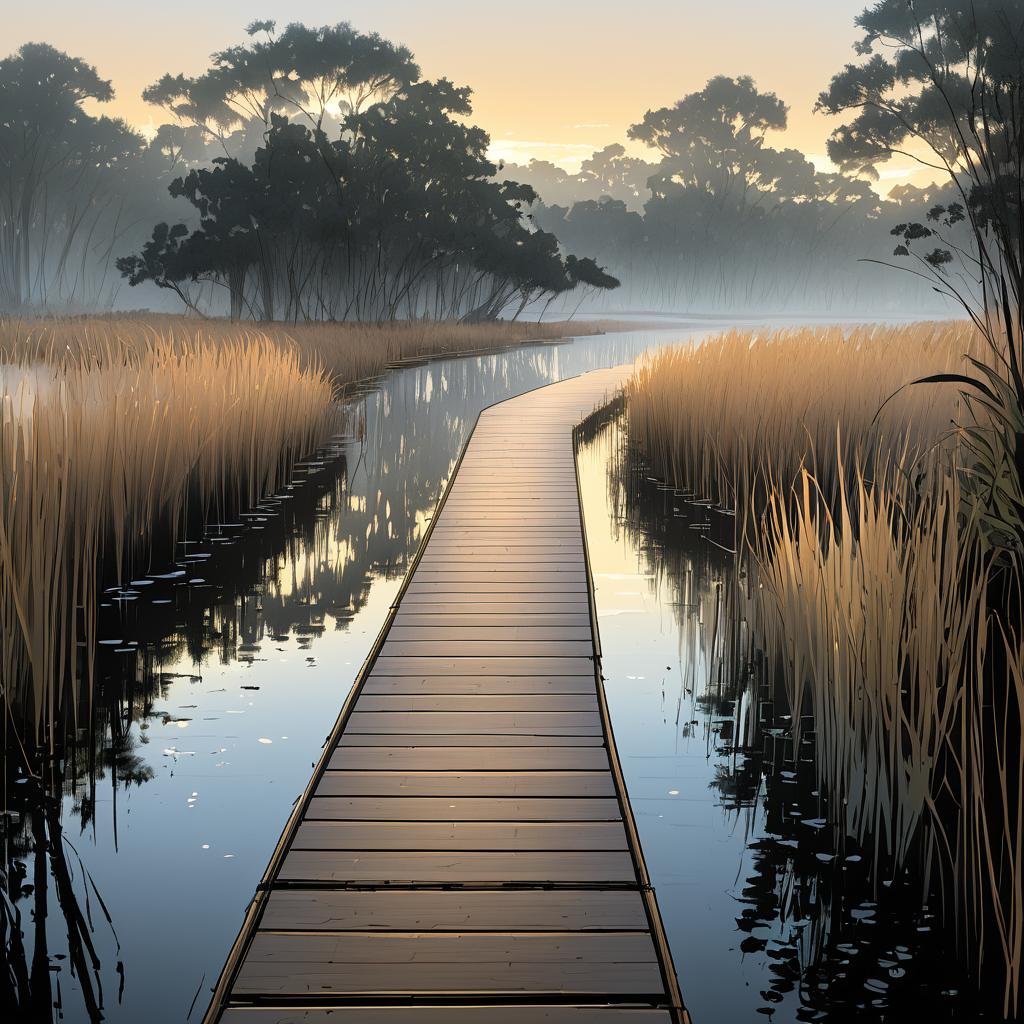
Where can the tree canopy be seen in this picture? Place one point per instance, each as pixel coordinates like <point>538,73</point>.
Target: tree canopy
<point>942,81</point>
<point>308,73</point>
<point>387,208</point>
<point>62,173</point>
<point>713,140</point>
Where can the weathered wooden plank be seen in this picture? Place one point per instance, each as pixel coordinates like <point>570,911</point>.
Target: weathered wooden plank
<point>483,530</point>
<point>533,740</point>
<point>531,1013</point>
<point>539,723</point>
<point>434,702</point>
<point>499,472</point>
<point>487,648</point>
<point>507,505</point>
<point>474,666</point>
<point>539,521</point>
<point>287,963</point>
<point>488,784</point>
<point>492,574</point>
<point>528,468</point>
<point>497,759</point>
<point>487,539</point>
<point>570,603</point>
<point>457,617</point>
<point>525,551</point>
<point>453,684</point>
<point>469,557</point>
<point>498,631</point>
<point>529,551</point>
<point>401,867</point>
<point>453,808</point>
<point>459,835</point>
<point>521,489</point>
<point>465,910</point>
<point>431,590</point>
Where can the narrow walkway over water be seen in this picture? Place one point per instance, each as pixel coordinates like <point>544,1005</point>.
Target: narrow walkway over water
<point>465,849</point>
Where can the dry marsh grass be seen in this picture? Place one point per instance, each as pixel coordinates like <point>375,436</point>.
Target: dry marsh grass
<point>874,590</point>
<point>348,352</point>
<point>105,445</point>
<point>724,417</point>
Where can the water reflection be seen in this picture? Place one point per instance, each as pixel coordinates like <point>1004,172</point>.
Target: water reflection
<point>768,912</point>
<point>130,860</point>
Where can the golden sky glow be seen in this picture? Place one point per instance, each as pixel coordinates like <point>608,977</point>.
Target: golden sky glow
<point>552,79</point>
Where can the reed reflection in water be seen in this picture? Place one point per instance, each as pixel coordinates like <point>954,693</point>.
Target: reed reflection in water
<point>768,912</point>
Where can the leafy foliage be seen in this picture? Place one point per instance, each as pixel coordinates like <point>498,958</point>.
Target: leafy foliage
<point>943,82</point>
<point>398,216</point>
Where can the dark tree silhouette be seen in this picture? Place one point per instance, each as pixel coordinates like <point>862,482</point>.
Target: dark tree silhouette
<point>943,83</point>
<point>713,140</point>
<point>725,222</point>
<point>308,73</point>
<point>63,179</point>
<point>398,214</point>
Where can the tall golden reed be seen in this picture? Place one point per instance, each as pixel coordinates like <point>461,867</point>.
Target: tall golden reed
<point>723,417</point>
<point>110,425</point>
<point>872,595</point>
<point>104,442</point>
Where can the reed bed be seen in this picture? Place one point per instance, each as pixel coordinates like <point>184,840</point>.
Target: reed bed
<point>105,444</point>
<point>879,606</point>
<point>347,352</point>
<point>742,414</point>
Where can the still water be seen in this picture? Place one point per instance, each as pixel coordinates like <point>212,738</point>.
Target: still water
<point>220,677</point>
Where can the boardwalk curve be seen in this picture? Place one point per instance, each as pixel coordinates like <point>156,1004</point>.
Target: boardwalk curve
<point>465,849</point>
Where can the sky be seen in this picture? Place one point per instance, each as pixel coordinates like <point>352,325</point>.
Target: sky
<point>552,79</point>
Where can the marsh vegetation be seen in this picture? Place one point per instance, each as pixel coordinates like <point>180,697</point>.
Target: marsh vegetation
<point>797,919</point>
<point>118,434</point>
<point>112,434</point>
<point>876,482</point>
<point>880,601</point>
<point>235,636</point>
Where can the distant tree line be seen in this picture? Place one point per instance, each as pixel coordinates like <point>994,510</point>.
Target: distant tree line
<point>73,187</point>
<point>720,220</point>
<point>312,173</point>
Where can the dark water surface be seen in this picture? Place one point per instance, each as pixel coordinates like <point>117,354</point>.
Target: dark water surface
<point>206,732</point>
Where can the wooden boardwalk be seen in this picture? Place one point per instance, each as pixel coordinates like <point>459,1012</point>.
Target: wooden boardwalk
<point>465,849</point>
